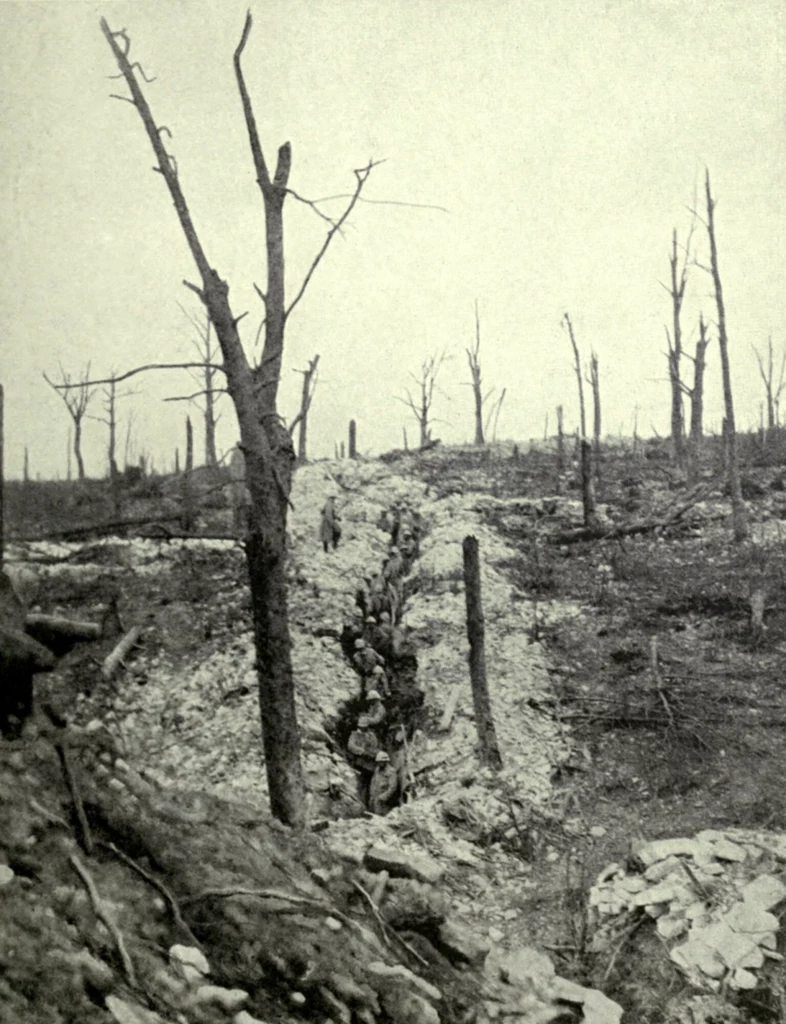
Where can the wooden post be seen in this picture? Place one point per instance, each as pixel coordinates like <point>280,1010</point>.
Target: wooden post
<point>406,444</point>
<point>484,720</point>
<point>187,490</point>
<point>343,451</point>
<point>560,441</point>
<point>353,450</point>
<point>26,471</point>
<point>177,461</point>
<point>587,487</point>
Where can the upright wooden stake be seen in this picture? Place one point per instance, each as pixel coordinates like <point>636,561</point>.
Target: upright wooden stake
<point>587,485</point>
<point>189,516</point>
<point>476,632</point>
<point>353,451</point>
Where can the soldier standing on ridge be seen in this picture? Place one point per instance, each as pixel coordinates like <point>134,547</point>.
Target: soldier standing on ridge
<point>329,529</point>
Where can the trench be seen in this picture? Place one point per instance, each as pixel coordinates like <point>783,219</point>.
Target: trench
<point>375,638</point>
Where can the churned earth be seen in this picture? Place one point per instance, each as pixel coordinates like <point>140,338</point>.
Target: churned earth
<point>606,738</point>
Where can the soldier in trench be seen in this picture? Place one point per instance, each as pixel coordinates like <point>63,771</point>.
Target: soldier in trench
<point>375,709</point>
<point>384,786</point>
<point>365,659</point>
<point>362,749</point>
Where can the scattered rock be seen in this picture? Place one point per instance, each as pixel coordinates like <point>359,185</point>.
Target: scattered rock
<point>460,944</point>
<point>523,965</point>
<point>402,865</point>
<point>190,962</point>
<point>764,892</point>
<point>229,999</point>
<point>131,1013</point>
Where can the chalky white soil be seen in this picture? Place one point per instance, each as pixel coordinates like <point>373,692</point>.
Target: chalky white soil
<point>180,729</point>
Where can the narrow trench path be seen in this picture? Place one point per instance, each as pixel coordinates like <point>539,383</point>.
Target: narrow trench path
<point>375,726</point>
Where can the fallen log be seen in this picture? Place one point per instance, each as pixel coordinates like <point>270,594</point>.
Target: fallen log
<point>668,518</point>
<point>114,659</point>
<point>59,634</point>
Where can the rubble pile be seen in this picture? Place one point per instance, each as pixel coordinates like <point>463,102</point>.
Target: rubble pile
<point>712,900</point>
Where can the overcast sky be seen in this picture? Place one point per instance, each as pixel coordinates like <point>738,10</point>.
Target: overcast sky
<point>564,139</point>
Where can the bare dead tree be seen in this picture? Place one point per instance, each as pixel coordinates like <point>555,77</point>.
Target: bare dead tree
<point>696,394</point>
<point>676,289</point>
<point>129,446</point>
<point>697,391</point>
<point>492,419</point>
<point>473,358</point>
<point>76,396</point>
<point>110,397</point>
<point>739,512</point>
<point>560,441</point>
<point>306,397</point>
<point>420,406</point>
<point>594,382</point>
<point>772,389</point>
<point>209,354</point>
<point>265,441</point>
<point>583,445</point>
<point>566,322</point>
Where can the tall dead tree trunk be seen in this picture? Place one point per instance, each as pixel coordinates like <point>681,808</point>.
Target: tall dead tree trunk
<point>110,405</point>
<point>26,465</point>
<point>579,379</point>
<point>739,512</point>
<point>587,485</point>
<point>473,358</point>
<point>560,441</point>
<point>306,397</point>
<point>697,404</point>
<point>596,411</point>
<point>266,444</point>
<point>583,446</point>
<point>476,632</point>
<point>697,391</point>
<point>676,290</point>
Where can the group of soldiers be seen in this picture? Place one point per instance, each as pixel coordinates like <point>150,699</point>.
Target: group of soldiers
<point>377,751</point>
<point>383,594</point>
